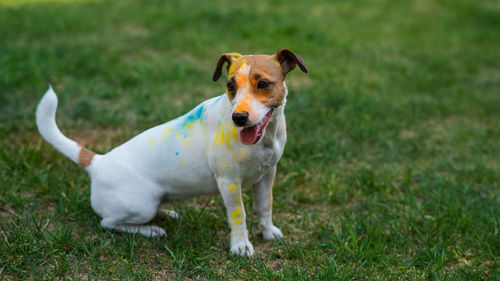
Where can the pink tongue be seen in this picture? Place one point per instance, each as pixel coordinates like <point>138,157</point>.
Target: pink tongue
<point>249,135</point>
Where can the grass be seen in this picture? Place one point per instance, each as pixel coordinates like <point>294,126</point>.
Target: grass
<point>391,170</point>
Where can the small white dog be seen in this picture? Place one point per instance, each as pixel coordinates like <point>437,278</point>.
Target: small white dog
<point>223,144</point>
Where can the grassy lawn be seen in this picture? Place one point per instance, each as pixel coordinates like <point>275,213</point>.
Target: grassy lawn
<point>391,169</point>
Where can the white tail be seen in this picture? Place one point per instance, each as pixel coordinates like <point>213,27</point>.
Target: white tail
<point>46,123</point>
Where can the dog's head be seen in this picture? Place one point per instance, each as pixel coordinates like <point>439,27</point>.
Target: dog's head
<point>255,88</point>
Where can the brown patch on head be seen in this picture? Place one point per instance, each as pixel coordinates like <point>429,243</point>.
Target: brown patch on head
<point>260,77</point>
<point>85,156</point>
<point>264,80</point>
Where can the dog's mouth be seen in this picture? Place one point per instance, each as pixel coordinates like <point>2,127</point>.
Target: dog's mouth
<point>252,135</point>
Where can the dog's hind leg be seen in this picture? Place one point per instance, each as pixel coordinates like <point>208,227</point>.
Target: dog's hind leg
<point>146,230</point>
<point>124,201</point>
<point>128,213</point>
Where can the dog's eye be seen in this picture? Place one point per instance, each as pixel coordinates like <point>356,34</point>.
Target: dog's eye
<point>230,87</point>
<point>262,84</point>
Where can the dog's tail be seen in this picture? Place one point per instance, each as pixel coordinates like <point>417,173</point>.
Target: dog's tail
<point>46,123</point>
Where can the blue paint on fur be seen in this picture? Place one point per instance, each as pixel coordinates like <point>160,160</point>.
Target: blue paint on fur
<point>193,116</point>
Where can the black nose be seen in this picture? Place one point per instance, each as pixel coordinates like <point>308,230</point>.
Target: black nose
<point>240,118</point>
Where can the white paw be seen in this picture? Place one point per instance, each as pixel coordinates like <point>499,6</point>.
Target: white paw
<point>169,213</point>
<point>242,247</point>
<point>271,232</point>
<point>153,231</point>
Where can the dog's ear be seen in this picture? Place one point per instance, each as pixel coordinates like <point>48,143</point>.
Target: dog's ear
<point>226,57</point>
<point>288,60</point>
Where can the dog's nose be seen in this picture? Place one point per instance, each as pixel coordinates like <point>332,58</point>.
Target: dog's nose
<point>240,118</point>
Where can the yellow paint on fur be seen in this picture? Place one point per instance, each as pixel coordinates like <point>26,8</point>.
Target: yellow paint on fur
<point>235,214</point>
<point>231,69</point>
<point>234,131</point>
<point>165,131</point>
<point>220,138</point>
<point>238,221</point>
<point>228,141</point>
<point>232,187</point>
<point>166,134</point>
<point>277,63</point>
<point>238,200</point>
<point>233,65</point>
<point>222,135</point>
<point>151,142</point>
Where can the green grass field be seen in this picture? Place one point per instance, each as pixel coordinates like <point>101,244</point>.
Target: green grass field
<point>391,170</point>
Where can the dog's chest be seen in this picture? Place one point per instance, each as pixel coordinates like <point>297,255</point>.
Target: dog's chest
<point>259,161</point>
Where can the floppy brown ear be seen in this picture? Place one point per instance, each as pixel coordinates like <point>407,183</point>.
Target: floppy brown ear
<point>289,60</point>
<point>226,57</point>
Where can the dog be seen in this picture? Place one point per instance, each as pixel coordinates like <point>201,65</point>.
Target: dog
<point>225,143</point>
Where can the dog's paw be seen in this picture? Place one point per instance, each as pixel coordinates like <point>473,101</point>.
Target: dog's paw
<point>169,213</point>
<point>152,231</point>
<point>242,247</point>
<point>271,232</point>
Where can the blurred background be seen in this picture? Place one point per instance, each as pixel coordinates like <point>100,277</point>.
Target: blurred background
<point>391,168</point>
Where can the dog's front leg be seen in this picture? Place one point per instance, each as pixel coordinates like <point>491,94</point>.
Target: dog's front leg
<point>231,194</point>
<point>263,205</point>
